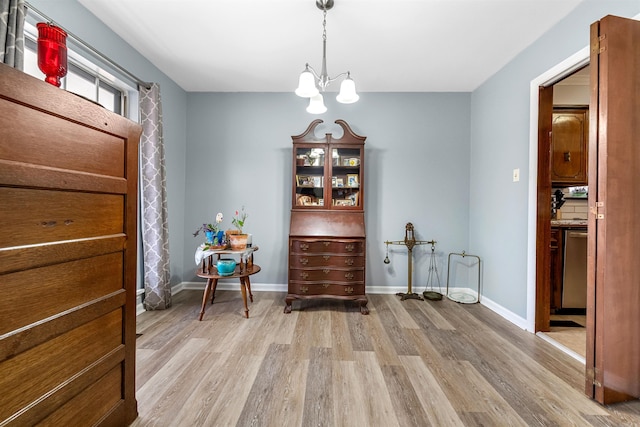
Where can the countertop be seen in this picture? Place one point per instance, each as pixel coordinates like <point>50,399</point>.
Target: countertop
<point>569,223</point>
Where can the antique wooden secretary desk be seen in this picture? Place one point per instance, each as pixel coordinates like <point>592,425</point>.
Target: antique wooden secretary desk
<point>327,231</point>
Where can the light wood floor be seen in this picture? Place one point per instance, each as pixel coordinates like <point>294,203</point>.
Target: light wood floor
<point>575,339</point>
<point>409,363</point>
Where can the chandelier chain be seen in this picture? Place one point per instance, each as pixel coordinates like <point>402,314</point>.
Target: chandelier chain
<point>324,26</point>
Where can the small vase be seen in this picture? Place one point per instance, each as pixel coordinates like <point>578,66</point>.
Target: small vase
<point>238,241</point>
<point>214,237</point>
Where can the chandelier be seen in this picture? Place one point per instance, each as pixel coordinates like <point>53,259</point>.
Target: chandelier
<point>310,83</point>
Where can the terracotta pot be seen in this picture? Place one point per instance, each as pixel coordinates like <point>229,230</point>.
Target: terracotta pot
<point>238,241</point>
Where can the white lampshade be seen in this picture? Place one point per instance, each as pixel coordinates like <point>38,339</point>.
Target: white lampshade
<point>347,93</point>
<point>307,85</point>
<point>316,105</point>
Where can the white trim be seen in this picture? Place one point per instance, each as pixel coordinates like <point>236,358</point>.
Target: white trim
<point>561,347</point>
<point>503,312</point>
<point>564,68</point>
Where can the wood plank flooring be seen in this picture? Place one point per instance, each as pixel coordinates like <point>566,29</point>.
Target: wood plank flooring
<point>408,363</point>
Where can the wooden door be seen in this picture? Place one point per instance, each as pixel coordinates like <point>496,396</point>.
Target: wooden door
<point>543,217</point>
<point>613,298</point>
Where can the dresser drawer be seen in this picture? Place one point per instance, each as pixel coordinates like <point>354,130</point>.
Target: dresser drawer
<point>345,261</point>
<point>327,246</point>
<point>331,274</point>
<point>304,289</point>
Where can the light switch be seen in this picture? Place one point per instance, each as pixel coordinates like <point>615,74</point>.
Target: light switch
<point>516,175</point>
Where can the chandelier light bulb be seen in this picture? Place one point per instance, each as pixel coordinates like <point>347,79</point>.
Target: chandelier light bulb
<point>306,84</point>
<point>347,93</point>
<point>316,105</point>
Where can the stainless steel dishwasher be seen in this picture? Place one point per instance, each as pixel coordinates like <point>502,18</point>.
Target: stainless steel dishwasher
<point>574,285</point>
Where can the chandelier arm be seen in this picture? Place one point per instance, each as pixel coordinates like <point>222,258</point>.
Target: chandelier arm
<point>330,80</point>
<point>317,77</point>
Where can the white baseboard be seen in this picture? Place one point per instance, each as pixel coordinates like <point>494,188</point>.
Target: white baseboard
<point>503,312</point>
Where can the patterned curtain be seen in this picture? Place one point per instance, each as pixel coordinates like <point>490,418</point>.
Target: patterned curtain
<point>12,13</point>
<point>155,228</point>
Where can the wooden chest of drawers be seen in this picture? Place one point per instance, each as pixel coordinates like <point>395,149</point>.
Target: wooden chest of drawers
<point>327,268</point>
<point>68,199</point>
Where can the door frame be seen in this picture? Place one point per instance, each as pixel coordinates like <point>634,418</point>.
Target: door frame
<point>558,72</point>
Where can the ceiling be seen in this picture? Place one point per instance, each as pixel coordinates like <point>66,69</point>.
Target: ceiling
<point>388,46</point>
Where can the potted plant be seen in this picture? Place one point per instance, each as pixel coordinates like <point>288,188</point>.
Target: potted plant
<point>237,238</point>
<point>214,236</point>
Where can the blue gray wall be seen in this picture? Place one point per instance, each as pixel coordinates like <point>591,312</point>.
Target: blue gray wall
<point>239,153</point>
<point>500,143</point>
<point>443,161</point>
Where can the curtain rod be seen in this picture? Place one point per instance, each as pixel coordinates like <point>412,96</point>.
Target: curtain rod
<point>93,50</point>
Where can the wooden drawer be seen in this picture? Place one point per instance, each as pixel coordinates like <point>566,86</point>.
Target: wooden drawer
<point>49,141</point>
<point>33,295</point>
<point>304,289</point>
<point>64,359</point>
<point>327,246</point>
<point>327,274</point>
<point>345,261</point>
<point>41,216</point>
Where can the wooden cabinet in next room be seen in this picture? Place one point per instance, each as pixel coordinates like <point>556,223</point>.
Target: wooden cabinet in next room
<point>327,236</point>
<point>569,146</point>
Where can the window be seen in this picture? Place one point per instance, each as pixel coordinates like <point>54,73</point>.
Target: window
<point>84,77</point>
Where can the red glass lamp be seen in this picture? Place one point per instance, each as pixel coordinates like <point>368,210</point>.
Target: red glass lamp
<point>52,52</point>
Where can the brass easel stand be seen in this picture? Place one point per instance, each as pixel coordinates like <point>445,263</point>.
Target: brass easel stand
<point>409,241</point>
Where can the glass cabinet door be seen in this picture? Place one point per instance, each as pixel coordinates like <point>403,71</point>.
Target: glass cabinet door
<point>309,178</point>
<point>345,177</point>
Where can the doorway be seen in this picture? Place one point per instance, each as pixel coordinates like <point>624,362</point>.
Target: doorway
<point>538,303</point>
<point>568,205</point>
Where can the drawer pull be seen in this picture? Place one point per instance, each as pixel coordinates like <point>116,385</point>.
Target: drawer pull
<point>304,247</point>
<point>304,275</point>
<point>326,257</point>
<point>349,247</point>
<point>48,223</point>
<point>326,244</point>
<point>304,261</point>
<point>348,290</point>
<point>349,261</point>
<point>348,276</point>
<point>325,285</point>
<point>326,270</point>
<point>304,289</point>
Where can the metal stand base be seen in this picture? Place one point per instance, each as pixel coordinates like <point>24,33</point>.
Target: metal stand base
<point>410,295</point>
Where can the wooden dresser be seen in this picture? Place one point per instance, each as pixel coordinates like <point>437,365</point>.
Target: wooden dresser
<point>68,189</point>
<point>327,240</point>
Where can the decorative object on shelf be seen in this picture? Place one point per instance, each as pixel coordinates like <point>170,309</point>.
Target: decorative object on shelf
<point>226,266</point>
<point>409,241</point>
<point>52,52</point>
<point>310,81</point>
<point>214,236</point>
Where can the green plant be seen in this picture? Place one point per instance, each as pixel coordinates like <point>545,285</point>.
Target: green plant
<point>239,219</point>
<point>215,227</point>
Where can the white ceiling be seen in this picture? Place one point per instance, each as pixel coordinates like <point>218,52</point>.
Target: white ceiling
<point>389,46</point>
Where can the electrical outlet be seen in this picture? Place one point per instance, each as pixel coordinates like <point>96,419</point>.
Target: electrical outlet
<point>516,175</point>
